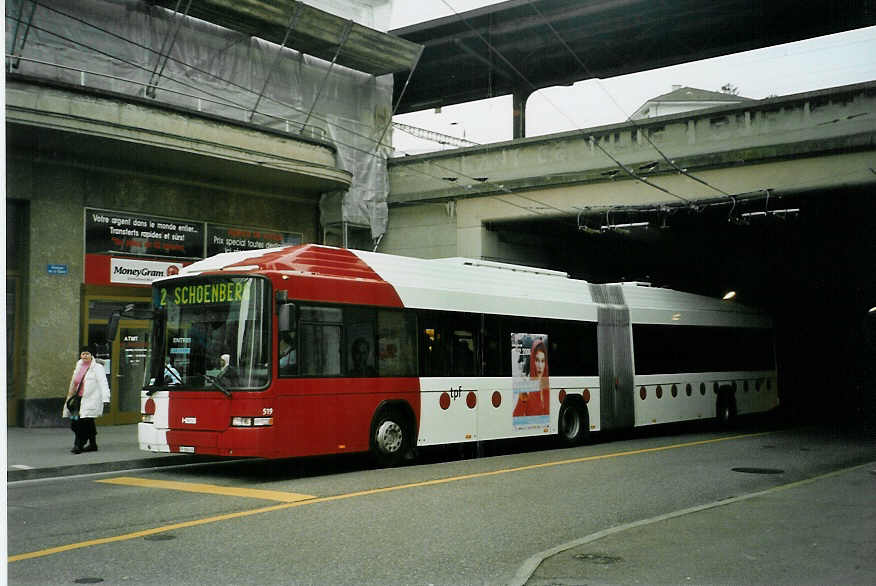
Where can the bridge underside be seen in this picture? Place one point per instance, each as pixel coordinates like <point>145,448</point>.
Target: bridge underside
<point>812,269</point>
<point>773,200</point>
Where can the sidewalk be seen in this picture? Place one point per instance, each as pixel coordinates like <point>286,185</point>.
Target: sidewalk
<point>817,531</point>
<point>41,452</point>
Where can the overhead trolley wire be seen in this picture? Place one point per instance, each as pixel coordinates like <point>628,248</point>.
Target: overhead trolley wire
<point>224,101</point>
<point>230,103</point>
<point>629,120</point>
<point>532,86</point>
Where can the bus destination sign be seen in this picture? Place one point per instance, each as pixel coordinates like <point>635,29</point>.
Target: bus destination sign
<point>202,293</point>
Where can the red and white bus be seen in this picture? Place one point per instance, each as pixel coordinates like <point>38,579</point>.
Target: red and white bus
<point>308,350</point>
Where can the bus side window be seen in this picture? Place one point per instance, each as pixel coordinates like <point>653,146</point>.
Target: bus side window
<point>321,349</point>
<point>320,334</point>
<point>465,352</point>
<point>397,343</point>
<point>287,352</point>
<point>287,342</point>
<point>449,344</point>
<point>495,347</point>
<point>434,355</point>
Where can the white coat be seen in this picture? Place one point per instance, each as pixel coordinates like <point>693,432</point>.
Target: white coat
<point>96,391</point>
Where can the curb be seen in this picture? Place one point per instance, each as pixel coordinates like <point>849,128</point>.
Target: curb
<point>77,469</point>
<point>531,565</point>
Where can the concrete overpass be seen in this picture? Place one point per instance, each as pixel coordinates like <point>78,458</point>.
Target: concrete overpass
<point>707,220</point>
<point>777,148</point>
<point>519,46</point>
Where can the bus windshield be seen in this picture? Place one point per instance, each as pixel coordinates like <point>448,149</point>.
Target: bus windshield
<point>211,333</point>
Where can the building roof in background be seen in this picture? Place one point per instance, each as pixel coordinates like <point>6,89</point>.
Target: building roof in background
<point>683,99</point>
<point>692,94</point>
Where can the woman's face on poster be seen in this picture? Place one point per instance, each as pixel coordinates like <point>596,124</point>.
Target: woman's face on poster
<point>540,361</point>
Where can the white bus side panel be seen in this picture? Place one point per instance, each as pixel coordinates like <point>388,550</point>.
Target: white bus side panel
<point>660,405</point>
<point>152,437</point>
<point>761,394</point>
<point>486,419</point>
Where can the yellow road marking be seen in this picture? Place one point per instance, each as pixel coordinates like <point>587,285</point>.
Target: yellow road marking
<point>145,532</point>
<point>349,495</point>
<point>253,493</point>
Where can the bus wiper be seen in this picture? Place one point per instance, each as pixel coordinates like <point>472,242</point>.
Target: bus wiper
<point>214,380</point>
<point>173,374</point>
<point>152,389</point>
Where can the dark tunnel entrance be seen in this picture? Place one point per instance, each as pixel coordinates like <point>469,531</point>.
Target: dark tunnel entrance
<point>811,268</point>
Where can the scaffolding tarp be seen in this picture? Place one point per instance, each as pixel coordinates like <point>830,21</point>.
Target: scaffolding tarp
<point>136,48</point>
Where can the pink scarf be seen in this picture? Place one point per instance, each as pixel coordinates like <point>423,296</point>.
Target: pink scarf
<point>80,374</point>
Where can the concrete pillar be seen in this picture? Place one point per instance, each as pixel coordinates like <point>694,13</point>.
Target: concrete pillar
<point>519,112</point>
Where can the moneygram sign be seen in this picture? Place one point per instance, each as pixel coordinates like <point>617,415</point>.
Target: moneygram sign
<point>126,271</point>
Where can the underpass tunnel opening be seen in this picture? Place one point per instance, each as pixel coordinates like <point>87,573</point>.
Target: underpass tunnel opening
<point>809,260</point>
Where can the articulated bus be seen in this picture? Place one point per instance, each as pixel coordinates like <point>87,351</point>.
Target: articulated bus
<point>308,350</point>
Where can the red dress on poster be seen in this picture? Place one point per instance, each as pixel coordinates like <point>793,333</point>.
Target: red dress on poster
<point>536,402</point>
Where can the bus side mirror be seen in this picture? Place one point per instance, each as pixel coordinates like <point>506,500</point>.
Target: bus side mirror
<point>112,328</point>
<point>287,317</point>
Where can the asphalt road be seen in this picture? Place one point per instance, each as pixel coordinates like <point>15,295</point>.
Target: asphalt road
<point>445,519</point>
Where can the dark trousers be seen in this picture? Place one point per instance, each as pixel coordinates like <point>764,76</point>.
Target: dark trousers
<point>85,430</point>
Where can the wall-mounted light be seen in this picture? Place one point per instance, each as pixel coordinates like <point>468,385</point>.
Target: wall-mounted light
<point>729,295</point>
<point>607,227</point>
<point>784,212</point>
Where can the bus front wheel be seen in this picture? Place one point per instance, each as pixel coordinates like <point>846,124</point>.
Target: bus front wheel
<point>390,438</point>
<point>573,423</point>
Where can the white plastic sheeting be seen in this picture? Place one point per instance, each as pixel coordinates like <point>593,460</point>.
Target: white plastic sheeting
<point>120,46</point>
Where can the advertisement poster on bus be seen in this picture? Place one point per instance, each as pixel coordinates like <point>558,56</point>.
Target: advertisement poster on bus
<point>529,379</point>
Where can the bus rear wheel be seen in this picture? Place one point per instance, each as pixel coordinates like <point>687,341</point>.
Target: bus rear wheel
<point>726,407</point>
<point>573,423</point>
<point>390,439</point>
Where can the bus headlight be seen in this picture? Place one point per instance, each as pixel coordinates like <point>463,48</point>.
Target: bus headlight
<point>252,421</point>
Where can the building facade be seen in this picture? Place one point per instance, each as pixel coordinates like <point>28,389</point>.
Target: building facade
<point>140,139</point>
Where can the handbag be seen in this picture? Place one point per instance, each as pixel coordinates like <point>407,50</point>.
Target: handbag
<point>73,403</point>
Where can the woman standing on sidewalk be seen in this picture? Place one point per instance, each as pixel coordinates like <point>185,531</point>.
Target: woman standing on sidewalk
<point>89,382</point>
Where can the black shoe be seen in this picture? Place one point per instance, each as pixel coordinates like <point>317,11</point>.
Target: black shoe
<point>92,447</point>
<point>76,450</point>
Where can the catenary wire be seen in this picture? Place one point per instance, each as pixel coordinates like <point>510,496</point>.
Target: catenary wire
<point>533,87</point>
<point>232,104</point>
<point>226,101</point>
<point>630,120</point>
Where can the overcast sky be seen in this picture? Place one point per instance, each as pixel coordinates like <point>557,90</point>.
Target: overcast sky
<point>803,66</point>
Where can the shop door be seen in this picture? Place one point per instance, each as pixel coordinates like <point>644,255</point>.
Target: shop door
<point>129,362</point>
<point>124,358</point>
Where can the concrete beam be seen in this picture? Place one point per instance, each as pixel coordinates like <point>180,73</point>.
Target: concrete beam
<point>809,125</point>
<point>71,125</point>
<point>314,32</point>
